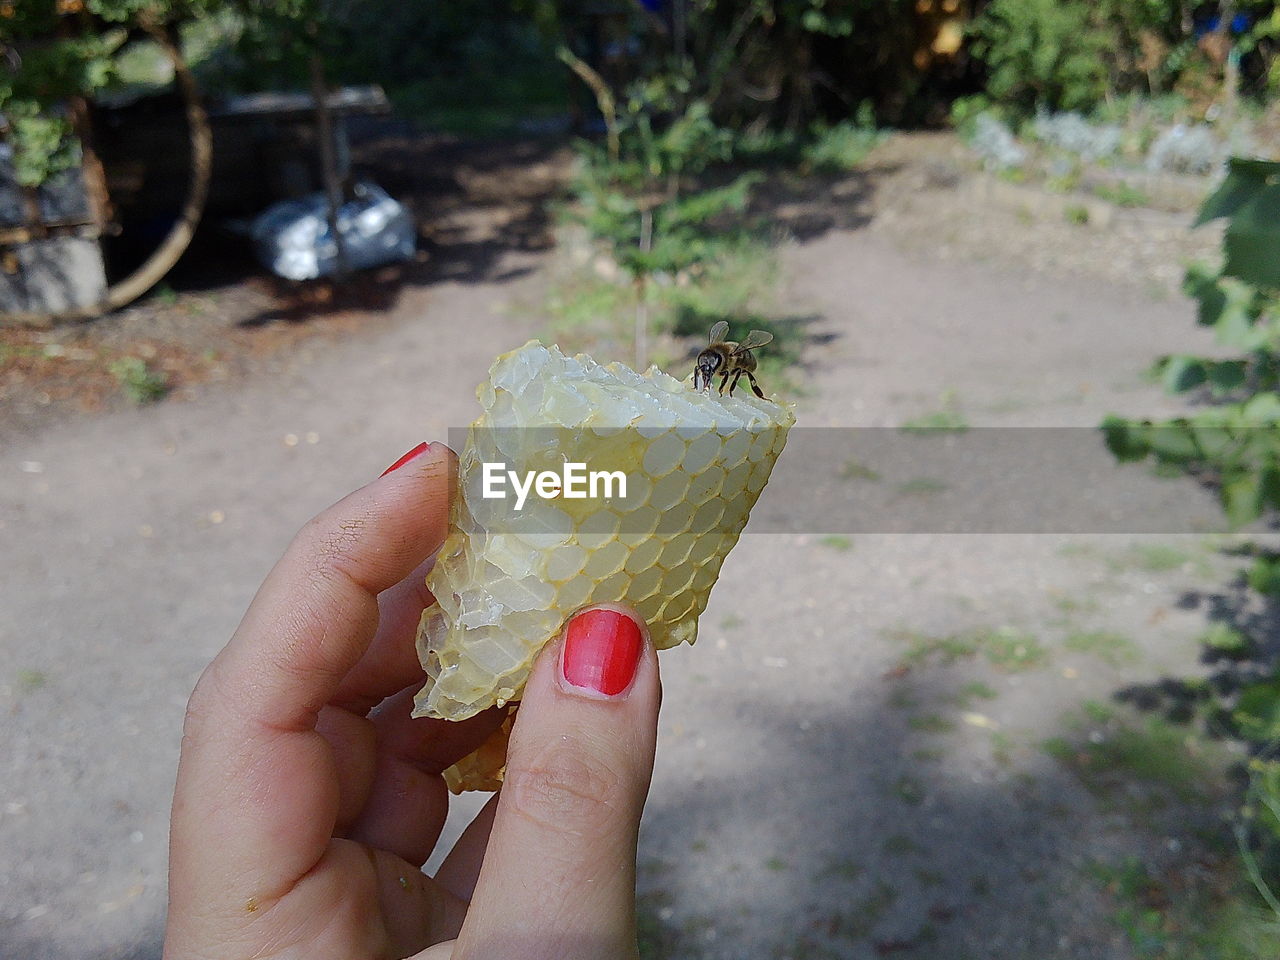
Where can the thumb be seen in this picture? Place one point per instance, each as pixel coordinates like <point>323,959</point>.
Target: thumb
<point>559,874</point>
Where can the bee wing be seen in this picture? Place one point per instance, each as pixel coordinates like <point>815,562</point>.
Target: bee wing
<point>756,338</point>
<point>719,331</point>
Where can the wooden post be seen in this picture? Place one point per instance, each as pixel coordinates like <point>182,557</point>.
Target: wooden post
<point>328,159</point>
<point>92,172</point>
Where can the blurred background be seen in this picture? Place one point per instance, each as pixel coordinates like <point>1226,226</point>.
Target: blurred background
<point>252,250</point>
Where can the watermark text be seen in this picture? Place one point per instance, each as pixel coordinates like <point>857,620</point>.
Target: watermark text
<point>573,482</point>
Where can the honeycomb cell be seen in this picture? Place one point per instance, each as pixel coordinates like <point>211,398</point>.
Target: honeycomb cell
<point>704,547</point>
<point>677,607</point>
<point>643,555</point>
<point>669,491</point>
<point>645,584</point>
<point>574,593</point>
<point>761,445</point>
<point>706,519</point>
<point>640,522</point>
<point>700,453</point>
<point>607,560</point>
<point>735,480</point>
<point>759,477</point>
<point>604,522</point>
<point>676,552</point>
<point>565,562</point>
<point>678,578</point>
<point>647,608</point>
<point>663,455</point>
<point>735,449</point>
<point>676,520</point>
<point>705,575</point>
<point>706,485</point>
<point>612,589</point>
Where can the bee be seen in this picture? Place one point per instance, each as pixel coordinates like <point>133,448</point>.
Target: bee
<point>729,359</point>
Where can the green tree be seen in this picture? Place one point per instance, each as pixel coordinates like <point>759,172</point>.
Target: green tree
<point>1234,446</point>
<point>1043,53</point>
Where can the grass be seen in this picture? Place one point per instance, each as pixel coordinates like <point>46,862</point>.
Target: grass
<point>1076,213</point>
<point>31,680</point>
<point>1158,558</point>
<point>139,382</point>
<point>1123,195</point>
<point>1114,649</point>
<point>840,148</point>
<point>842,870</point>
<point>1002,748</point>
<point>900,698</point>
<point>1011,649</point>
<point>1151,751</point>
<point>929,878</point>
<point>1003,647</point>
<point>854,470</point>
<point>931,723</point>
<point>909,790</point>
<point>939,421</point>
<point>1071,605</point>
<point>975,690</point>
<point>921,486</point>
<point>863,916</point>
<point>899,844</point>
<point>1196,912</point>
<point>1227,641</point>
<point>837,542</point>
<point>484,103</point>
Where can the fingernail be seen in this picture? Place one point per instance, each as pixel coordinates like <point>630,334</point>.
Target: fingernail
<point>601,652</point>
<point>413,454</point>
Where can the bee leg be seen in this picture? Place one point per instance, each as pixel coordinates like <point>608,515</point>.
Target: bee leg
<point>733,386</point>
<point>724,378</point>
<point>755,386</point>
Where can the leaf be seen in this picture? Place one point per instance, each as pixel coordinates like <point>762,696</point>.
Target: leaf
<point>1215,442</point>
<point>1126,439</point>
<point>1180,373</point>
<point>1174,442</point>
<point>1262,410</point>
<point>1241,499</point>
<point>1258,709</point>
<point>1245,177</point>
<point>1252,243</point>
<point>1227,375</point>
<point>1237,324</point>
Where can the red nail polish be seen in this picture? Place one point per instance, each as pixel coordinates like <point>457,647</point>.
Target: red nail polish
<point>601,651</point>
<point>413,454</point>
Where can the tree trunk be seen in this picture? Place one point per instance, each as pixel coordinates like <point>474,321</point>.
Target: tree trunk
<point>328,161</point>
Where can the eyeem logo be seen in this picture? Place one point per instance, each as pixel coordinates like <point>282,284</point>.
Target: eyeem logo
<point>574,482</point>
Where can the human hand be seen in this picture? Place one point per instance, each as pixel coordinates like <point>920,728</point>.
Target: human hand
<point>307,798</point>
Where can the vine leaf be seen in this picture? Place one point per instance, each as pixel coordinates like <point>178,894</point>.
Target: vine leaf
<point>1245,177</point>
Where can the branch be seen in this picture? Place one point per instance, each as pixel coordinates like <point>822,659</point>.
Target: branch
<point>604,98</point>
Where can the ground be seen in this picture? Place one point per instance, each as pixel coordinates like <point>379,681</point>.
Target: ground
<point>884,744</point>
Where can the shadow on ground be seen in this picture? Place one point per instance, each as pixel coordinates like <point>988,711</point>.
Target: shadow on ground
<point>475,203</point>
<point>852,834</point>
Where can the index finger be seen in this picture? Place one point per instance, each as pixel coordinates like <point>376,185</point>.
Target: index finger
<point>256,798</point>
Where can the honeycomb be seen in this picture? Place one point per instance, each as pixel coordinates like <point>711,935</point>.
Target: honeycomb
<point>506,579</point>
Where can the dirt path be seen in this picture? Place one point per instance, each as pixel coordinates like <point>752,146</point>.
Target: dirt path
<point>846,791</point>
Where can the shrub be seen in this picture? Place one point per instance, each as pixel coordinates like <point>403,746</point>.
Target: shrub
<point>1042,53</point>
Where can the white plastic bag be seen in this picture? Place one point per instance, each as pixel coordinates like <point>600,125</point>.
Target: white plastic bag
<point>293,239</point>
